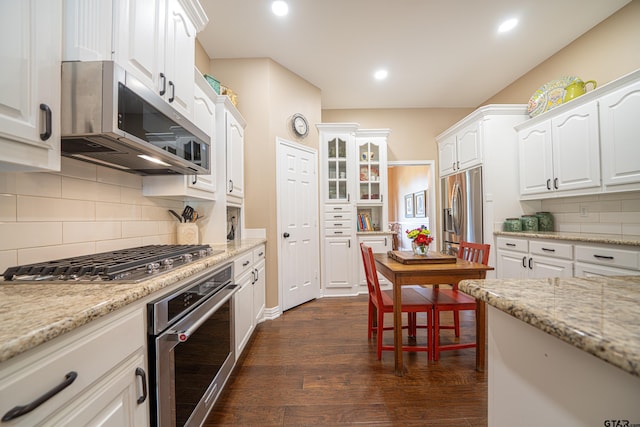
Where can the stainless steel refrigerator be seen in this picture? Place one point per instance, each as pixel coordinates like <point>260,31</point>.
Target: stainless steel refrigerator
<point>461,209</point>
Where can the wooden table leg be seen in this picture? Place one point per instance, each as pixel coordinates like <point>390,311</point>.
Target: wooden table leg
<point>397,329</point>
<point>481,339</point>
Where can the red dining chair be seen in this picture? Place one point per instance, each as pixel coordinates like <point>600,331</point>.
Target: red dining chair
<point>454,300</point>
<point>382,302</point>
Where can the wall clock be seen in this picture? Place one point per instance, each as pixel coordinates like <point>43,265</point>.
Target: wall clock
<point>299,125</point>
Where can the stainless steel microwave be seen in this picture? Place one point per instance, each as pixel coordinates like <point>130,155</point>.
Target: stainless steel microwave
<point>108,117</point>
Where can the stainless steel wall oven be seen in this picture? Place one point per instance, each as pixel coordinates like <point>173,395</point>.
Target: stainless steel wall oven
<point>191,346</point>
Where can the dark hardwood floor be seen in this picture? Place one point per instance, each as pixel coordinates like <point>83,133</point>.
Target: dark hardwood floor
<point>315,366</point>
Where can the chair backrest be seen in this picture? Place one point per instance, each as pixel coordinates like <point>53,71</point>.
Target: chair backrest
<point>370,273</point>
<point>474,252</point>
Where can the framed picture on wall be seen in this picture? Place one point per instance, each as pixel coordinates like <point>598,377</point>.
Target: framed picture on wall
<point>408,206</point>
<point>419,203</point>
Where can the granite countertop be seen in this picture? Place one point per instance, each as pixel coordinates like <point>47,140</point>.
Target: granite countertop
<point>34,313</point>
<point>599,315</point>
<point>610,239</point>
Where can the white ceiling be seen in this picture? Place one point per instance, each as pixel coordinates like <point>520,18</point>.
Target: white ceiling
<point>439,53</point>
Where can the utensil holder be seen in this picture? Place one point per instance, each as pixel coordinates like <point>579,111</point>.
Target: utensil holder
<point>187,234</point>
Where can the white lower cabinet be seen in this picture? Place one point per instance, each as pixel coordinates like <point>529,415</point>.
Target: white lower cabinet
<point>110,387</point>
<point>249,300</point>
<point>601,260</point>
<point>521,258</point>
<point>378,244</point>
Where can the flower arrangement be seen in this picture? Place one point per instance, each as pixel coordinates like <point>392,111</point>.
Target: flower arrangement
<point>420,239</point>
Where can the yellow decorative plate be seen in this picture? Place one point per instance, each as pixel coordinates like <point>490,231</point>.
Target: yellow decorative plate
<point>549,95</point>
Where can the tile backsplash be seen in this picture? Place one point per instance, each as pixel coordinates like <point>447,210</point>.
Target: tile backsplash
<point>613,213</point>
<point>81,210</point>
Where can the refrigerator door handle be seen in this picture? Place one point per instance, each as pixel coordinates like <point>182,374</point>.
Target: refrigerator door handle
<point>456,208</point>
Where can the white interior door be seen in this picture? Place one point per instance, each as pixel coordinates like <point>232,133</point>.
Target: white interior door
<point>298,259</point>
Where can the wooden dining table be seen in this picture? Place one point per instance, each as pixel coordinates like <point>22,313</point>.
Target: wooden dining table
<point>400,274</point>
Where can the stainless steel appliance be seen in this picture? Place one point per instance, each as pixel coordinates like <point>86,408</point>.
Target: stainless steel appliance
<point>461,209</point>
<point>131,264</point>
<point>191,348</point>
<point>110,118</point>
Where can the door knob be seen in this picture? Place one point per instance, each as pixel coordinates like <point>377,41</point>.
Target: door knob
<point>285,235</point>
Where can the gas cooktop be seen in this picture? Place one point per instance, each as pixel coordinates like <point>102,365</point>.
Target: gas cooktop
<point>132,264</point>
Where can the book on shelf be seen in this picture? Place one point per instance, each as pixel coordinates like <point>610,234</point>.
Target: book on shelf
<point>364,222</point>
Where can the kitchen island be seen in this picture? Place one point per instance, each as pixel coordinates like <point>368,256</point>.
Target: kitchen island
<point>562,351</point>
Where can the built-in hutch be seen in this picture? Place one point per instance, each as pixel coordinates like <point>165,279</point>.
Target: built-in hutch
<point>353,187</point>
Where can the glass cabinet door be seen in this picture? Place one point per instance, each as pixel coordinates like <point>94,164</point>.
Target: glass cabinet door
<point>337,170</point>
<point>369,172</point>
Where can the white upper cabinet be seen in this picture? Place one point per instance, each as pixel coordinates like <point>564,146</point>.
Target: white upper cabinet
<point>562,153</point>
<point>30,76</point>
<point>587,146</point>
<point>620,137</point>
<point>152,39</point>
<point>461,150</point>
<point>372,166</point>
<point>230,135</point>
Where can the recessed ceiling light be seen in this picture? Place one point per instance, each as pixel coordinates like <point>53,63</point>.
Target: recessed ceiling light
<point>280,8</point>
<point>380,74</point>
<point>508,25</point>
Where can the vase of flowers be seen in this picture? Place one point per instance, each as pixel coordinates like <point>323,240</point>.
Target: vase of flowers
<point>420,240</point>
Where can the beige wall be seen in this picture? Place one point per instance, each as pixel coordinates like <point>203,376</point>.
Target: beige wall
<point>268,95</point>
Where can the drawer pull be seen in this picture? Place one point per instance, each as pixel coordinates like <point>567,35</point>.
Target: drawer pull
<point>261,253</point>
<point>338,216</point>
<point>337,224</point>
<point>143,376</point>
<point>337,232</point>
<point>19,411</point>
<point>244,264</point>
<point>602,256</point>
<point>513,245</point>
<point>548,250</point>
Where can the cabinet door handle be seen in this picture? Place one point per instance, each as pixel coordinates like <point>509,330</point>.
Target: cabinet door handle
<point>173,92</point>
<point>513,245</point>
<point>385,241</point>
<point>530,265</point>
<point>555,183</point>
<point>458,165</point>
<point>143,377</point>
<point>524,262</point>
<point>47,122</point>
<point>349,243</point>
<point>348,197</point>
<point>195,179</point>
<point>257,274</point>
<point>549,184</point>
<point>285,235</point>
<point>19,411</point>
<point>548,250</point>
<point>253,276</point>
<point>163,78</point>
<point>603,256</point>
<point>230,186</point>
<point>453,166</point>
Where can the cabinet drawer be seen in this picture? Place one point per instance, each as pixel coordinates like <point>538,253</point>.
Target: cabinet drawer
<point>338,216</point>
<point>553,249</point>
<point>242,263</point>
<point>338,209</point>
<point>624,258</point>
<point>259,253</point>
<point>344,232</point>
<point>338,224</point>
<point>593,270</point>
<point>511,244</point>
<point>84,352</point>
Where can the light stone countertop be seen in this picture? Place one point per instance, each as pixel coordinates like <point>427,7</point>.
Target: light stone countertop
<point>610,239</point>
<point>34,313</point>
<point>598,315</point>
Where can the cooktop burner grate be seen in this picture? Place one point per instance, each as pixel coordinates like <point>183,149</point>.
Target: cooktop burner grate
<point>121,264</point>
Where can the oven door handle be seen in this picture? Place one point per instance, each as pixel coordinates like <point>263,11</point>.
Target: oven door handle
<point>184,335</point>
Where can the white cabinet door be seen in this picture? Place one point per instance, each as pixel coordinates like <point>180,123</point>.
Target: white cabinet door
<point>30,85</point>
<point>511,265</point>
<point>139,40</point>
<point>338,262</point>
<point>259,289</point>
<point>372,169</point>
<point>180,53</point>
<point>549,267</point>
<point>536,159</point>
<point>576,148</point>
<point>447,155</point>
<point>243,306</point>
<point>469,149</point>
<point>235,157</point>
<point>619,130</point>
